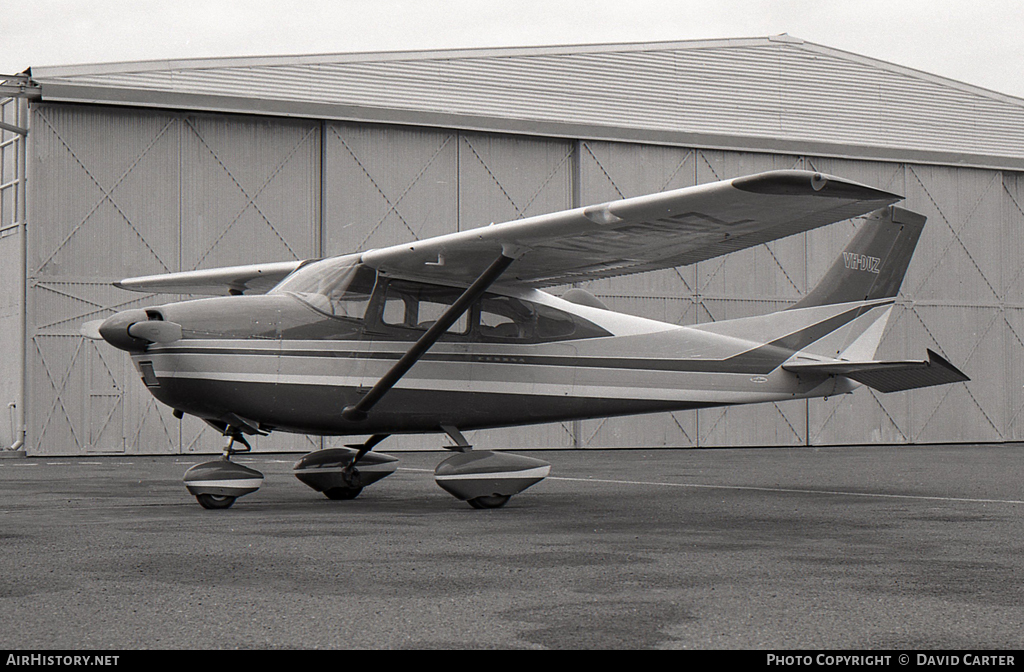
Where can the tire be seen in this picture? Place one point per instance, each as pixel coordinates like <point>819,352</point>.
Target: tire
<point>215,501</point>
<point>491,502</point>
<point>341,493</point>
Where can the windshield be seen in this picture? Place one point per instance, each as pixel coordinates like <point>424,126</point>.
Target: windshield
<point>340,287</point>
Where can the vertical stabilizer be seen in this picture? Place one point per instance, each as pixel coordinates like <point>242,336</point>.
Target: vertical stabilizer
<point>869,271</point>
<point>874,263</point>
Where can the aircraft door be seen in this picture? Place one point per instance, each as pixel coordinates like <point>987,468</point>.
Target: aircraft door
<point>524,359</point>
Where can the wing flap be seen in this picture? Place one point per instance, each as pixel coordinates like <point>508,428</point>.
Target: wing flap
<point>893,376</point>
<point>644,233</point>
<point>249,279</point>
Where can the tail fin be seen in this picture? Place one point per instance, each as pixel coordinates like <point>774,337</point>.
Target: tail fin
<point>837,327</point>
<point>873,265</point>
<point>869,271</point>
<point>844,316</point>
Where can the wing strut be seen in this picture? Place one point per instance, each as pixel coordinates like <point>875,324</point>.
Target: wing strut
<point>358,411</point>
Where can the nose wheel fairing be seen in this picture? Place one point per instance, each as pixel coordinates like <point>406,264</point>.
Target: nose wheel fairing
<point>217,484</point>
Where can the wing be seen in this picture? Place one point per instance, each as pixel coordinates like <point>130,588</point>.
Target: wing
<point>673,228</point>
<point>251,279</point>
<point>894,376</point>
<point>633,235</point>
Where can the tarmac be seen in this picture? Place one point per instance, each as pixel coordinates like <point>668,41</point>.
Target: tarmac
<point>906,548</point>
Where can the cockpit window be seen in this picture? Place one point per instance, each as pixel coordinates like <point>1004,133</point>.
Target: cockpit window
<point>340,287</point>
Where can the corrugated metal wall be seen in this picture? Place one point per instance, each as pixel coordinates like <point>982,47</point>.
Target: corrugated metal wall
<point>179,191</point>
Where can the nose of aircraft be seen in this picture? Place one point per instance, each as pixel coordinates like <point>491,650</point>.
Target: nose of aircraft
<point>234,317</point>
<point>133,330</point>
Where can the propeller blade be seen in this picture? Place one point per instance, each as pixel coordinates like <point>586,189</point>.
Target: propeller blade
<point>156,331</point>
<point>91,329</point>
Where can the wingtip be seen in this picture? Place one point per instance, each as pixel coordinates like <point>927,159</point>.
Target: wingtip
<point>811,183</point>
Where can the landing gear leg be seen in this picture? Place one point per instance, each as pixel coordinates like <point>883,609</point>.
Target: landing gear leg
<point>233,437</point>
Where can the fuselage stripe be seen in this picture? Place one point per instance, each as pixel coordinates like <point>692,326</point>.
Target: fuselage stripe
<point>761,359</point>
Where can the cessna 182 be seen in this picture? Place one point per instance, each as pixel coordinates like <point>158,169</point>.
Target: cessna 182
<point>455,333</point>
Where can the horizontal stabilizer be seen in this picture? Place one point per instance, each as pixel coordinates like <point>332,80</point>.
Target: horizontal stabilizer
<point>887,376</point>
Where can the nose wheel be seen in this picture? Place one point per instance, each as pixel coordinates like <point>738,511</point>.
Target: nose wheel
<point>217,484</point>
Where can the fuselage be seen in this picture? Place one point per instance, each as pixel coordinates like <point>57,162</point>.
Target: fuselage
<point>292,360</point>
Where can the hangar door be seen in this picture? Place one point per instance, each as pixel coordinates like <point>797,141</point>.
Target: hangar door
<point>117,192</point>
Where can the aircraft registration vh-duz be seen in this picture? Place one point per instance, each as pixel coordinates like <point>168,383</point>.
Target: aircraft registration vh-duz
<point>456,333</point>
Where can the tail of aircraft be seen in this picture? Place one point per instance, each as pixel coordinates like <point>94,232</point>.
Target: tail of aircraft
<point>865,278</point>
<point>837,327</point>
<point>874,263</point>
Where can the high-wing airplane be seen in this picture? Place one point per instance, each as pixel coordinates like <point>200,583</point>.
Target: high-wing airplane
<point>455,333</point>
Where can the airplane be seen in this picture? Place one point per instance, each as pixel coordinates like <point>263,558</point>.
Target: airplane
<point>457,333</point>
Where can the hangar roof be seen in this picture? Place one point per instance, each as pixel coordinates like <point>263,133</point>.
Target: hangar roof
<point>775,94</point>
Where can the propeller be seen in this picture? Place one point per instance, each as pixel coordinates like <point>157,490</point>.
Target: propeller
<point>91,329</point>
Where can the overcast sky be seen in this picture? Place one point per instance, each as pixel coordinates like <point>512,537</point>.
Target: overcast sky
<point>977,42</point>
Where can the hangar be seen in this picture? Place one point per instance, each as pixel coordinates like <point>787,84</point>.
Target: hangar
<point>138,168</point>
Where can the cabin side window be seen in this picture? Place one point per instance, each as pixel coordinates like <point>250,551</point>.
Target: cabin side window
<point>417,306</point>
<point>408,307</point>
<point>503,318</point>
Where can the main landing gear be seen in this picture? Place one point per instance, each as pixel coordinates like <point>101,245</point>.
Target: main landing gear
<point>485,479</point>
<point>482,478</point>
<point>333,471</point>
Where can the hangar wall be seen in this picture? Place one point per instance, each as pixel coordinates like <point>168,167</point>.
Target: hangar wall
<point>118,191</point>
<point>12,298</point>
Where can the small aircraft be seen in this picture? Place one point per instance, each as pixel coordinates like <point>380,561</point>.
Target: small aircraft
<point>455,333</point>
